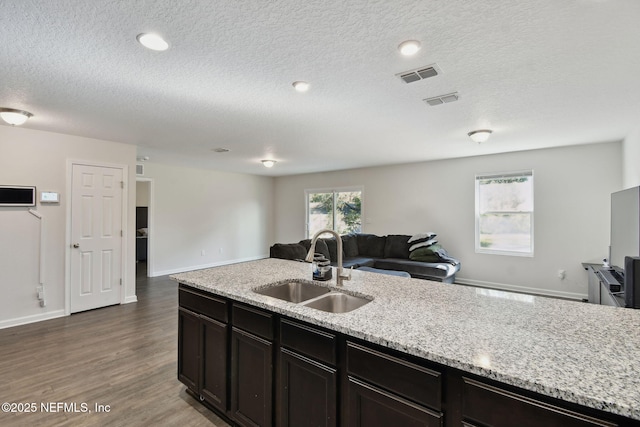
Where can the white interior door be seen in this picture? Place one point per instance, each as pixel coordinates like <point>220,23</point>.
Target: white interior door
<point>96,237</point>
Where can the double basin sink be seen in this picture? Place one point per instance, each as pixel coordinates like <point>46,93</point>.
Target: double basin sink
<point>314,296</point>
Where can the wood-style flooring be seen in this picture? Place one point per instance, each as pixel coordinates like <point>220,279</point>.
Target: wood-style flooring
<point>122,356</point>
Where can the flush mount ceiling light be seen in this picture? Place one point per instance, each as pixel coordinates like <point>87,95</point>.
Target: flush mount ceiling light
<point>152,41</point>
<point>14,117</point>
<point>301,86</point>
<point>409,47</point>
<point>480,135</point>
<point>268,163</point>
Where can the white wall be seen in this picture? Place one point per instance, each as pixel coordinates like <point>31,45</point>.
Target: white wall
<point>631,159</point>
<point>142,193</point>
<point>30,157</point>
<point>228,216</point>
<point>572,195</point>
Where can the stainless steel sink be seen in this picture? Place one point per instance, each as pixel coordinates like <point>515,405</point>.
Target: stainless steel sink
<point>337,302</point>
<point>293,291</point>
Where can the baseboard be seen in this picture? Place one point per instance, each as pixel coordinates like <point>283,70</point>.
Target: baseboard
<point>521,289</point>
<point>203,266</point>
<point>31,319</point>
<point>130,299</point>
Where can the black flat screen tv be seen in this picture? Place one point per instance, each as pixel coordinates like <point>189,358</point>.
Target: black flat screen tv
<point>17,196</point>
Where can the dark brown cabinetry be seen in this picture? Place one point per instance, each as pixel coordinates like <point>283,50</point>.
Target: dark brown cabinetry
<point>371,406</point>
<point>391,391</point>
<point>484,404</point>
<point>202,346</point>
<point>258,368</point>
<point>189,349</point>
<point>251,366</point>
<point>308,376</point>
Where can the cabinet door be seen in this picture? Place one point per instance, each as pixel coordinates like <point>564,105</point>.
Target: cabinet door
<point>213,368</point>
<point>188,349</point>
<point>370,406</point>
<point>307,391</point>
<point>251,383</point>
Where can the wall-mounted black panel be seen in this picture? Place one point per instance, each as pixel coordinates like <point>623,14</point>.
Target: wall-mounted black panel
<point>17,196</point>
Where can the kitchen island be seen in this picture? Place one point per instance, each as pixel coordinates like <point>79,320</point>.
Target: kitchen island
<point>533,351</point>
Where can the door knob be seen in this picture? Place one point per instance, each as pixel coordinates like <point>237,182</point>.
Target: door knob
<point>76,245</point>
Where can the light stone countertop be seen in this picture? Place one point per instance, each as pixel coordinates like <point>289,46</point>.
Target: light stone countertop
<point>582,353</point>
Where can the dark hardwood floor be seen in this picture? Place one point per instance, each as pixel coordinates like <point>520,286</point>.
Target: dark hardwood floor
<point>122,356</point>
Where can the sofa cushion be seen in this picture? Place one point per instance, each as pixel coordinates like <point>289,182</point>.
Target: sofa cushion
<point>350,246</point>
<point>396,246</point>
<point>357,262</point>
<point>371,245</point>
<point>415,268</point>
<point>332,245</point>
<point>287,251</point>
<point>321,247</point>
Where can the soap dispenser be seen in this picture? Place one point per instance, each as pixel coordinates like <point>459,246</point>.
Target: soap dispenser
<point>321,267</point>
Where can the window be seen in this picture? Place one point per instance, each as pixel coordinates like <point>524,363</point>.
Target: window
<point>338,210</point>
<point>504,213</point>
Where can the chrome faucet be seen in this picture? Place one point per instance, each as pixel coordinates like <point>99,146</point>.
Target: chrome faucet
<point>309,258</point>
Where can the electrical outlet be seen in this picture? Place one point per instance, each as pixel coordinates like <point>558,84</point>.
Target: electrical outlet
<point>42,303</point>
<point>562,274</point>
<point>221,250</point>
<point>202,252</point>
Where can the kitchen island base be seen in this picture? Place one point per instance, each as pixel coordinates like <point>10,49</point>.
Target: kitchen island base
<point>254,367</point>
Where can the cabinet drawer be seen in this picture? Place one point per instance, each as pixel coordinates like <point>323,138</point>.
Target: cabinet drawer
<point>206,305</point>
<point>309,341</point>
<point>253,320</point>
<point>370,406</point>
<point>403,378</point>
<point>486,404</point>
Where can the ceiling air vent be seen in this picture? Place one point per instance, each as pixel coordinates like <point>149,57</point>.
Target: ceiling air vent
<point>419,74</point>
<point>139,169</point>
<point>442,99</point>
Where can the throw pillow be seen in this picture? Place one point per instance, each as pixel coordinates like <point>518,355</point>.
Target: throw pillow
<point>426,250</point>
<point>422,244</point>
<point>424,258</point>
<point>422,236</point>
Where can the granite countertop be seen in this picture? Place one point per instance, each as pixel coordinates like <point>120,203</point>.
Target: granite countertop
<point>578,352</point>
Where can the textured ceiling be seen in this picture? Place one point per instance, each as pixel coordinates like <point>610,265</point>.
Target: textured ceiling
<point>539,73</point>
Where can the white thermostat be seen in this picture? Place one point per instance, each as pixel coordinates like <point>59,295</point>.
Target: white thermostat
<point>49,197</point>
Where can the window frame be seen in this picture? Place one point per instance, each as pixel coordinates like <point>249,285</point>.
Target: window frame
<point>333,190</point>
<point>520,173</point>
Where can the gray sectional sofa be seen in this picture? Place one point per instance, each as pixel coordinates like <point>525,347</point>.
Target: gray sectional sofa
<point>368,250</point>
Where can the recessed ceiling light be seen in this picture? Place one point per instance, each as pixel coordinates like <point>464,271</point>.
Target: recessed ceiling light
<point>301,86</point>
<point>14,117</point>
<point>152,41</point>
<point>409,47</point>
<point>480,135</point>
<point>268,163</point>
